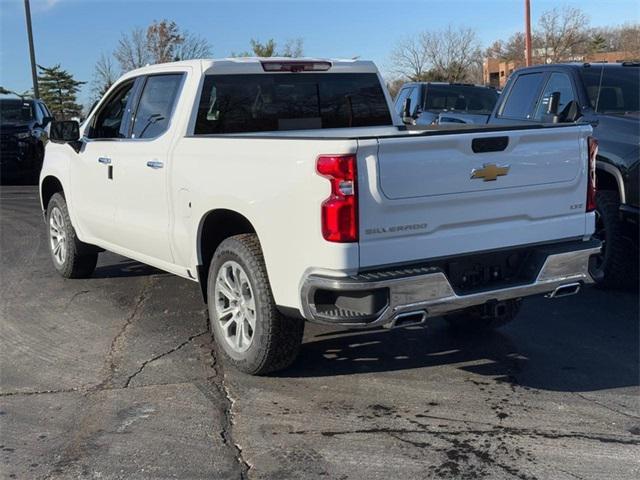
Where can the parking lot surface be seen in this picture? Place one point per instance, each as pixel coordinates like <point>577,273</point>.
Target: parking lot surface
<point>115,377</point>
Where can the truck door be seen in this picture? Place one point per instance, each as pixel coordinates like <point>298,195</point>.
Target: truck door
<point>141,186</point>
<point>93,196</point>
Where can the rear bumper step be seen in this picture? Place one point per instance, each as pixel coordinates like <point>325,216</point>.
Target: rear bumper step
<point>410,295</point>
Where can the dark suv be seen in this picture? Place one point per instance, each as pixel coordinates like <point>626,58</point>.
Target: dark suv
<point>439,102</point>
<point>22,138</point>
<point>607,97</point>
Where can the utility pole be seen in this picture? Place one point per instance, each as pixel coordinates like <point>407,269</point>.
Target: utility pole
<point>32,53</point>
<point>527,35</point>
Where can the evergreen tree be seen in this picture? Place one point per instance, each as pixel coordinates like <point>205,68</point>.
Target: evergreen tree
<point>58,90</point>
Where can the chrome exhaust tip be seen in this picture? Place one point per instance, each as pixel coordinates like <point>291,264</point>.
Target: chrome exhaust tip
<point>408,319</point>
<point>564,290</point>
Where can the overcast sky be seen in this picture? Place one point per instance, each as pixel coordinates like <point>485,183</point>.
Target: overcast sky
<point>75,32</point>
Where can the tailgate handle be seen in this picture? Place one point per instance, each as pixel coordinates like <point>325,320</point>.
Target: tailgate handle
<point>489,144</point>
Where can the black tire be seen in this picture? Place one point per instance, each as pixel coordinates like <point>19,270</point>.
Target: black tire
<point>276,339</point>
<point>483,317</point>
<point>75,264</point>
<point>614,267</point>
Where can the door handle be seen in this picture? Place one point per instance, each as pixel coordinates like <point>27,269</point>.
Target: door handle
<point>155,164</point>
<point>104,160</point>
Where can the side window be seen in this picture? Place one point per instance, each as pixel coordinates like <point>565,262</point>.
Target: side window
<point>109,121</point>
<point>558,82</point>
<point>156,105</point>
<point>402,96</point>
<point>38,113</point>
<point>523,94</point>
<point>415,100</point>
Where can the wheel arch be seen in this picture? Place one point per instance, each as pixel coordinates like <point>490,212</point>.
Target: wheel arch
<point>214,227</point>
<point>49,186</point>
<point>608,177</point>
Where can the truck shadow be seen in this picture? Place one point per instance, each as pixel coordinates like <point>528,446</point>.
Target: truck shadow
<point>125,268</point>
<point>582,343</point>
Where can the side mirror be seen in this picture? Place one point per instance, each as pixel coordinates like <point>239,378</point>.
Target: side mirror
<point>46,121</point>
<point>64,131</point>
<point>554,101</point>
<point>406,112</point>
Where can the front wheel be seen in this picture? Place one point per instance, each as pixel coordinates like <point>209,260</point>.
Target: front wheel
<point>64,246</point>
<point>252,334</point>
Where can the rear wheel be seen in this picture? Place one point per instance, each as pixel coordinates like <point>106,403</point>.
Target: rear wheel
<point>614,267</point>
<point>484,317</point>
<point>65,248</point>
<point>252,334</point>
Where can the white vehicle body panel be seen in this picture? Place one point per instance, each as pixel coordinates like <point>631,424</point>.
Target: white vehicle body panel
<point>404,178</point>
<point>425,182</point>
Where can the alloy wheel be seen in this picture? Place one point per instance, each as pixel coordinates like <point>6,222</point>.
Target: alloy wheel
<point>235,306</point>
<point>57,236</point>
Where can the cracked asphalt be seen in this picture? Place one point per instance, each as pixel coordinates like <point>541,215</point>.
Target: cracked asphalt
<point>115,377</point>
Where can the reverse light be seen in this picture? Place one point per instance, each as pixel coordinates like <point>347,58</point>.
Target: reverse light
<point>340,210</point>
<point>592,143</point>
<point>286,66</point>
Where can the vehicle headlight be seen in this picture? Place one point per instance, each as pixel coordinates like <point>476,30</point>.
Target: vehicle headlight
<point>23,135</point>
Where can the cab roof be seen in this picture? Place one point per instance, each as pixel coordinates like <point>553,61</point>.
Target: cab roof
<point>236,65</point>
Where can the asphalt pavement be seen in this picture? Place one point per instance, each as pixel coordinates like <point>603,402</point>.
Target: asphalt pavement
<point>115,377</point>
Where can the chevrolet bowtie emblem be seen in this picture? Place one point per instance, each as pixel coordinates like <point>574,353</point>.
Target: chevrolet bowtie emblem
<point>490,172</point>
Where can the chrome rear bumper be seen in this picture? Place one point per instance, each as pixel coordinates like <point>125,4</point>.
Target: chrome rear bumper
<point>431,292</point>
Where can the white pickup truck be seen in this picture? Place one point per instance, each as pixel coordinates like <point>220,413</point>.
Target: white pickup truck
<point>291,191</point>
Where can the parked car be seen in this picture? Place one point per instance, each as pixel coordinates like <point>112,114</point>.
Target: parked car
<point>429,102</point>
<point>607,97</point>
<point>291,191</point>
<point>22,138</point>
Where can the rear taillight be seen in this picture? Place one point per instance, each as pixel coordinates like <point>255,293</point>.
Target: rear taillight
<point>591,187</point>
<point>340,210</point>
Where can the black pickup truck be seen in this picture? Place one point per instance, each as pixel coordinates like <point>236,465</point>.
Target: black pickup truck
<point>22,139</point>
<point>607,97</point>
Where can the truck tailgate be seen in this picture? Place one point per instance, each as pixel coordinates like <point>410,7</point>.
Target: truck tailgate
<point>444,193</point>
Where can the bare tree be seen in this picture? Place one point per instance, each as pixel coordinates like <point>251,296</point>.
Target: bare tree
<point>394,86</point>
<point>620,38</point>
<point>409,59</point>
<point>512,49</point>
<point>162,41</point>
<point>629,40</point>
<point>562,33</point>
<point>163,38</point>
<point>293,48</point>
<point>192,46</point>
<point>132,51</point>
<point>453,53</point>
<point>104,75</point>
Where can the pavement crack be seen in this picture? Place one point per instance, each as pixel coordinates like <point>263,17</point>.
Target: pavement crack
<point>160,355</point>
<point>552,435</point>
<point>116,343</point>
<point>36,392</point>
<point>606,407</point>
<point>74,296</point>
<point>226,434</point>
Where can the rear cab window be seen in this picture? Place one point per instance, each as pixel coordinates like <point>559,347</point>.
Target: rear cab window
<point>244,103</point>
<point>460,98</point>
<point>612,89</point>
<point>522,96</point>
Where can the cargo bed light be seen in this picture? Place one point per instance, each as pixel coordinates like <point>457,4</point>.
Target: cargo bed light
<point>294,66</point>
